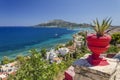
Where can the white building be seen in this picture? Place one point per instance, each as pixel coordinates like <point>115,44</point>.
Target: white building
<point>63,51</point>
<point>51,54</point>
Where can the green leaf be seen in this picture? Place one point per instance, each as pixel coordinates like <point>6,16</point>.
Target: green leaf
<point>100,28</point>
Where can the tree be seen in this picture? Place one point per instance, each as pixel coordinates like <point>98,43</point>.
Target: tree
<point>43,53</point>
<point>59,46</point>
<point>20,58</point>
<point>35,68</point>
<point>5,60</point>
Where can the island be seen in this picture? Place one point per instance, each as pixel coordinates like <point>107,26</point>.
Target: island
<point>61,23</point>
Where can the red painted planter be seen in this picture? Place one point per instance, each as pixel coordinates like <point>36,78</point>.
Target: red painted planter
<point>97,47</point>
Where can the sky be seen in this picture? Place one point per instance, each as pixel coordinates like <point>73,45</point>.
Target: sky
<point>32,12</point>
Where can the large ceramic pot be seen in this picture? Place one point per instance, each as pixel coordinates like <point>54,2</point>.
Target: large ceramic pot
<point>97,45</point>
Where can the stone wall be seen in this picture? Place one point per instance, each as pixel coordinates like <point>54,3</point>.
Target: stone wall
<point>85,71</point>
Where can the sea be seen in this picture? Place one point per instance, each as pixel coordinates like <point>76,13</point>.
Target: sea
<point>19,40</point>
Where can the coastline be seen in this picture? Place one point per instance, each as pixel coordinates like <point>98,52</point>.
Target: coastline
<point>42,47</point>
<point>52,43</point>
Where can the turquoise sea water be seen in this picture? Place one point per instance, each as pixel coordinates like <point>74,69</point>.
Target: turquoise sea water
<point>19,40</point>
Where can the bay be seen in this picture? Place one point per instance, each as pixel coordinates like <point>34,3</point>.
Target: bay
<point>18,40</point>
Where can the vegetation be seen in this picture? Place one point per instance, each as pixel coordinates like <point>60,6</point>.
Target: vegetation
<point>115,38</point>
<point>113,49</point>
<point>70,43</point>
<point>59,46</point>
<point>20,59</point>
<point>36,68</point>
<point>43,53</point>
<point>84,35</point>
<point>6,60</point>
<point>100,28</point>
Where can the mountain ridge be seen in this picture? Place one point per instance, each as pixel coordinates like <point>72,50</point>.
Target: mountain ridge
<point>62,23</point>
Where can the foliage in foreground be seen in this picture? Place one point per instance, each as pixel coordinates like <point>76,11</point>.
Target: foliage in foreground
<point>36,68</point>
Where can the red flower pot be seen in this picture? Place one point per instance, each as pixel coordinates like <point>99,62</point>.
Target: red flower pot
<point>97,45</point>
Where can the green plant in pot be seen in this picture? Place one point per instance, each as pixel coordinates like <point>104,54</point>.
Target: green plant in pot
<point>98,43</point>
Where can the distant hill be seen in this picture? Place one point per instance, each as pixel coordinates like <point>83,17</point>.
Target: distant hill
<point>62,23</point>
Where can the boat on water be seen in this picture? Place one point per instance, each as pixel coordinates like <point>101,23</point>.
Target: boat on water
<point>56,34</point>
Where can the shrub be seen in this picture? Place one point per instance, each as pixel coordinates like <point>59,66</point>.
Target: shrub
<point>43,52</point>
<point>115,38</point>
<point>82,34</point>
<point>36,68</point>
<point>113,49</point>
<point>70,43</point>
<point>6,60</point>
<point>59,46</point>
